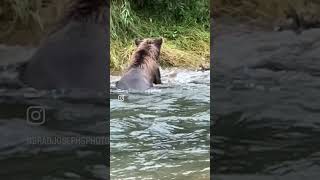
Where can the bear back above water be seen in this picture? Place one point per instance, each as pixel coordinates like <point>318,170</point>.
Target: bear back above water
<point>74,55</point>
<point>144,70</point>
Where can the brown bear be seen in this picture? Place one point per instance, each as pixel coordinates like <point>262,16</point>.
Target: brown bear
<point>74,55</point>
<point>144,67</point>
<point>297,21</point>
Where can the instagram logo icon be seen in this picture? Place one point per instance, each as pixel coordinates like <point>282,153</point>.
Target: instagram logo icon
<point>36,115</point>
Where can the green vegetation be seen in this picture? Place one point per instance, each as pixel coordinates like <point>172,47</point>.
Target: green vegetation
<point>184,25</point>
<point>18,13</point>
<point>26,21</point>
<point>268,10</point>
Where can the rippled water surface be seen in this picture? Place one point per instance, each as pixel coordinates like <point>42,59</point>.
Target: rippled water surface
<point>68,114</point>
<point>162,133</point>
<point>266,105</point>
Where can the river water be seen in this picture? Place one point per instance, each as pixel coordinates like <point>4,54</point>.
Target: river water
<point>266,104</point>
<point>265,97</point>
<point>162,133</point>
<point>70,144</point>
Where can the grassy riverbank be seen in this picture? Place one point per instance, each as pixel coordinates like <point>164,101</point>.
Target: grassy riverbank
<point>184,27</point>
<point>25,22</point>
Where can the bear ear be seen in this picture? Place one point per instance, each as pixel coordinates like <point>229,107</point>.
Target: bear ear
<point>158,42</point>
<point>137,42</point>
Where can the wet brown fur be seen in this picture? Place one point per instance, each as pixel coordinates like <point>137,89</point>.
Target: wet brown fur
<point>146,56</point>
<point>86,10</point>
<point>143,70</point>
<point>94,11</point>
<point>56,64</point>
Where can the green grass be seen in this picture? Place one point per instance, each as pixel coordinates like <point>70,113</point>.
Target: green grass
<point>184,27</point>
<point>26,22</point>
<point>15,13</point>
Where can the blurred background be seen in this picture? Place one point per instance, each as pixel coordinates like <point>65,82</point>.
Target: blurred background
<point>265,12</point>
<point>26,21</point>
